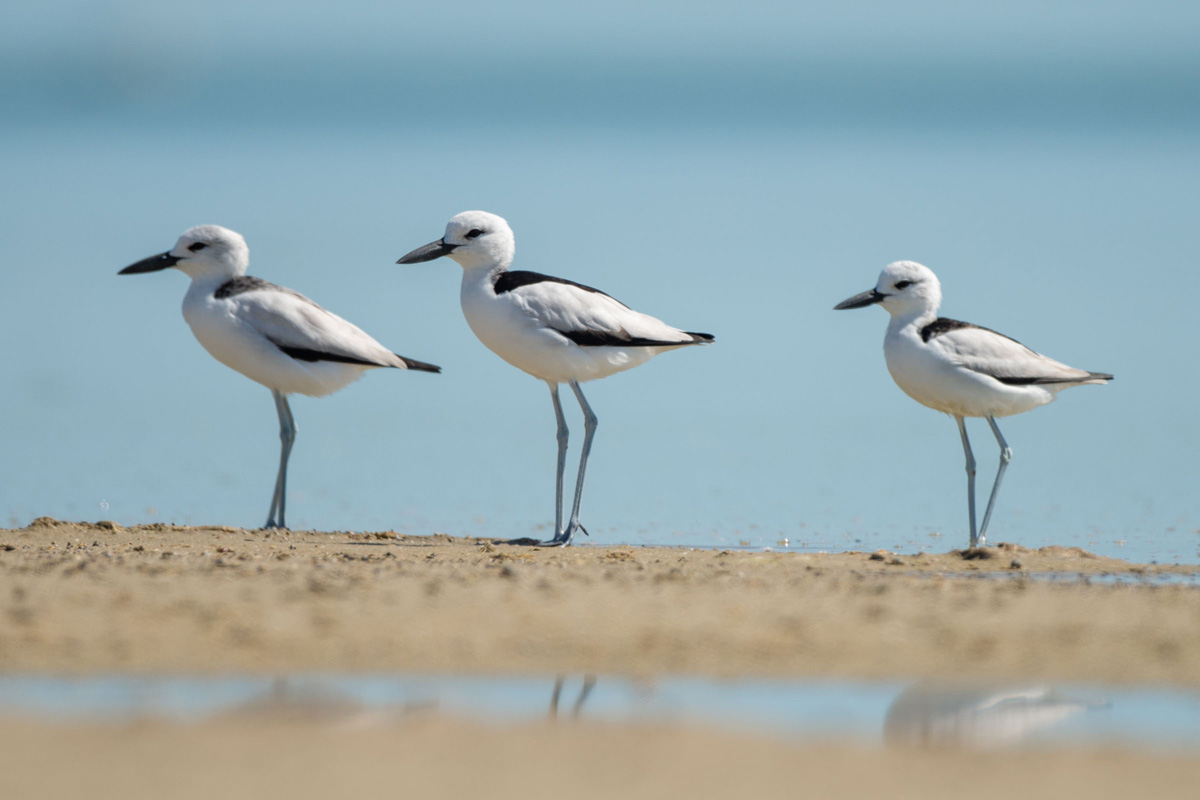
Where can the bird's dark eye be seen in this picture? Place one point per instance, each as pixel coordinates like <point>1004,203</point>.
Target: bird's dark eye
<point>474,233</point>
<point>196,247</point>
<point>903,284</point>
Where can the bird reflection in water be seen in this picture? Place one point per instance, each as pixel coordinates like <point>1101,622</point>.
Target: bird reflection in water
<point>589,681</point>
<point>977,717</point>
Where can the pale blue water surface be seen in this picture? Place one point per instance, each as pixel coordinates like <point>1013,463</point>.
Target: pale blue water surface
<point>736,169</point>
<point>943,713</point>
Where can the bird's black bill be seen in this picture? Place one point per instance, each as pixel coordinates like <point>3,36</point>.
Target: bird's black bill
<point>428,253</point>
<point>861,300</point>
<point>151,264</point>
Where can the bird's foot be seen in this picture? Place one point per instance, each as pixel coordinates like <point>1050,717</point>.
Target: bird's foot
<point>272,525</point>
<point>559,540</point>
<point>563,539</point>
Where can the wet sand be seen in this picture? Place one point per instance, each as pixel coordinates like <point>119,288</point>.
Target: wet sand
<point>433,757</point>
<point>99,598</point>
<point>154,599</point>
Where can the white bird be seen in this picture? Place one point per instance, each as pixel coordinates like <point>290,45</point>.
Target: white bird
<point>959,368</point>
<point>553,329</point>
<point>270,334</point>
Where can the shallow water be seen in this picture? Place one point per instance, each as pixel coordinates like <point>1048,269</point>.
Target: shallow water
<point>1102,578</point>
<point>734,170</point>
<point>944,714</point>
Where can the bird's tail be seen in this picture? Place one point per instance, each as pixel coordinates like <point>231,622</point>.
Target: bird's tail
<point>701,338</point>
<point>419,366</point>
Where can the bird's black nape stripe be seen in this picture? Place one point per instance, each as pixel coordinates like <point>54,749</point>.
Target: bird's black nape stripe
<point>606,339</point>
<point>240,284</point>
<point>945,325</point>
<point>942,325</point>
<point>515,279</point>
<point>305,354</point>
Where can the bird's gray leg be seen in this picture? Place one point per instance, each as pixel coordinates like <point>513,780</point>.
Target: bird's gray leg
<point>563,435</point>
<point>962,429</point>
<point>1005,457</point>
<point>589,682</point>
<point>558,687</point>
<point>589,431</point>
<point>287,436</point>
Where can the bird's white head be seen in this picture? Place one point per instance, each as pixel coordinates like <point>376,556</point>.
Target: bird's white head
<point>905,289</point>
<point>205,251</point>
<point>475,239</point>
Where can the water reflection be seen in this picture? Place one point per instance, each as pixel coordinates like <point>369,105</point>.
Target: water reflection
<point>589,682</point>
<point>938,715</point>
<point>977,717</point>
<point>304,700</point>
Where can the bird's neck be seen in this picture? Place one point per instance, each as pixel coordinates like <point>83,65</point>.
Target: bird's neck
<point>205,284</point>
<point>482,276</point>
<point>914,320</point>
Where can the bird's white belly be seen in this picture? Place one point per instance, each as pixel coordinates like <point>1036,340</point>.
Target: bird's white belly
<point>238,346</point>
<point>942,385</point>
<point>543,353</point>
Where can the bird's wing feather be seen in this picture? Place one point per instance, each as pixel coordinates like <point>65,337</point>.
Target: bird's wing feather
<point>590,317</point>
<point>1007,360</point>
<point>293,322</point>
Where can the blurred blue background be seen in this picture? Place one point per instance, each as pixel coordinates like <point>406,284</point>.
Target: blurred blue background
<point>736,168</point>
